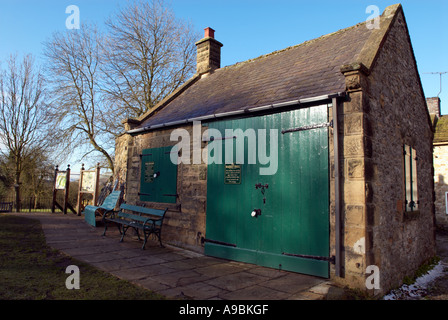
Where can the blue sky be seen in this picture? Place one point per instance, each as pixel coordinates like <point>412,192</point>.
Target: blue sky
<point>247,28</point>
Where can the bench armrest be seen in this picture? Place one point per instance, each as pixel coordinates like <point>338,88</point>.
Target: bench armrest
<point>151,221</point>
<point>108,214</point>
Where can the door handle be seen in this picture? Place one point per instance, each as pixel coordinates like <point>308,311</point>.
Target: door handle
<point>261,186</point>
<point>256,213</point>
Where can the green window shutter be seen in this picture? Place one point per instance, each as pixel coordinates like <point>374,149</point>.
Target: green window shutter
<point>158,178</point>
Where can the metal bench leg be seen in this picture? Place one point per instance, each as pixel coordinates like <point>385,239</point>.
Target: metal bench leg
<point>146,234</point>
<point>159,235</point>
<point>146,239</point>
<point>106,225</point>
<point>124,232</point>
<point>105,228</point>
<point>119,226</point>
<point>138,234</point>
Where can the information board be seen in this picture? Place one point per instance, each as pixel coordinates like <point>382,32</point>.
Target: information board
<point>61,179</point>
<point>232,174</point>
<point>88,181</point>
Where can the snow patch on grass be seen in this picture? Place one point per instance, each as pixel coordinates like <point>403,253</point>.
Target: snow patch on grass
<point>417,290</point>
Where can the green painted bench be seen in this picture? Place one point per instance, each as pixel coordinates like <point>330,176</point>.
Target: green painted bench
<point>5,206</point>
<point>109,204</point>
<point>148,220</point>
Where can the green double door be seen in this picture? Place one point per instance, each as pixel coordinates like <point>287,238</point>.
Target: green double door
<point>274,211</point>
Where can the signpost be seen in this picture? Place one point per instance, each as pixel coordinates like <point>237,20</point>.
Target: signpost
<point>88,184</point>
<point>61,182</point>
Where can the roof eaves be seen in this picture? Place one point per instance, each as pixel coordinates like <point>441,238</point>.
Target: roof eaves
<point>238,112</point>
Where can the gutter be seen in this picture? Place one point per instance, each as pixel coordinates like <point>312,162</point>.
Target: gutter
<point>239,112</point>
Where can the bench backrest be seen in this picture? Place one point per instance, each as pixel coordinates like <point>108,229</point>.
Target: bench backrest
<point>138,209</point>
<point>111,200</point>
<point>125,215</point>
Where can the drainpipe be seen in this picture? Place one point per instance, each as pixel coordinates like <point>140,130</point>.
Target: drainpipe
<point>337,191</point>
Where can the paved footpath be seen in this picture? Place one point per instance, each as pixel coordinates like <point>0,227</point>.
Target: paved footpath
<point>172,271</point>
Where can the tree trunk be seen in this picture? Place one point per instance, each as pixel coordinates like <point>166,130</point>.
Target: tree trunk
<point>109,159</point>
<point>17,189</point>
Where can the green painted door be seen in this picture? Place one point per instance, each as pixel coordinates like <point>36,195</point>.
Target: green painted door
<point>158,177</point>
<point>292,231</point>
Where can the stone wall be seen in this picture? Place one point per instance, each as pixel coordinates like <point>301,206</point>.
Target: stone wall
<point>185,220</point>
<point>441,184</point>
<point>396,114</point>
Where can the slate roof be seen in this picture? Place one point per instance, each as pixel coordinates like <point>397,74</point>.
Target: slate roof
<point>310,69</point>
<point>441,130</point>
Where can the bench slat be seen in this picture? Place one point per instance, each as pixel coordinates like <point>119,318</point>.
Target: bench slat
<point>155,212</point>
<point>111,200</point>
<point>133,217</point>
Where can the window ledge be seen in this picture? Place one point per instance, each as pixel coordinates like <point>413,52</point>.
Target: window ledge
<point>411,215</point>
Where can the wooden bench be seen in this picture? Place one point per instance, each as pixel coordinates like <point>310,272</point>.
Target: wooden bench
<point>6,206</point>
<point>109,204</point>
<point>145,219</point>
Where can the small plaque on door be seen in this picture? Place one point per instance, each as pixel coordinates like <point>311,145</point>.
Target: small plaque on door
<point>232,174</point>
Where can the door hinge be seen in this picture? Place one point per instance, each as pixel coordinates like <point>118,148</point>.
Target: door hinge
<point>304,128</point>
<point>331,259</point>
<point>145,155</point>
<point>217,242</point>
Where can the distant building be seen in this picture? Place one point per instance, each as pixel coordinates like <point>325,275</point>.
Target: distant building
<point>348,182</point>
<point>440,123</point>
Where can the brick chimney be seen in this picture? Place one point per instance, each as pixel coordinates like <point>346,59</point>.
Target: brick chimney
<point>433,106</point>
<point>208,53</point>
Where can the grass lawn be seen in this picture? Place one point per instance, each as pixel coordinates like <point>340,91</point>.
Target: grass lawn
<point>31,270</point>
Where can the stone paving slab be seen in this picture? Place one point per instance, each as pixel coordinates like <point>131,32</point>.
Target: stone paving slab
<point>255,292</point>
<point>172,271</point>
<point>196,291</point>
<point>236,281</point>
<point>291,283</point>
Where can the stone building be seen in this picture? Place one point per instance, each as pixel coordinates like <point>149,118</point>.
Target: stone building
<point>440,124</point>
<point>316,158</point>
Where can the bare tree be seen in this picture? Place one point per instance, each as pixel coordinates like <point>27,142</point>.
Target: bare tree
<point>99,79</point>
<point>22,115</point>
<point>76,85</point>
<point>149,53</point>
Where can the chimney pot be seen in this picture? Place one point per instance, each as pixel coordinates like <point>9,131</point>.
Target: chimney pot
<point>209,33</point>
